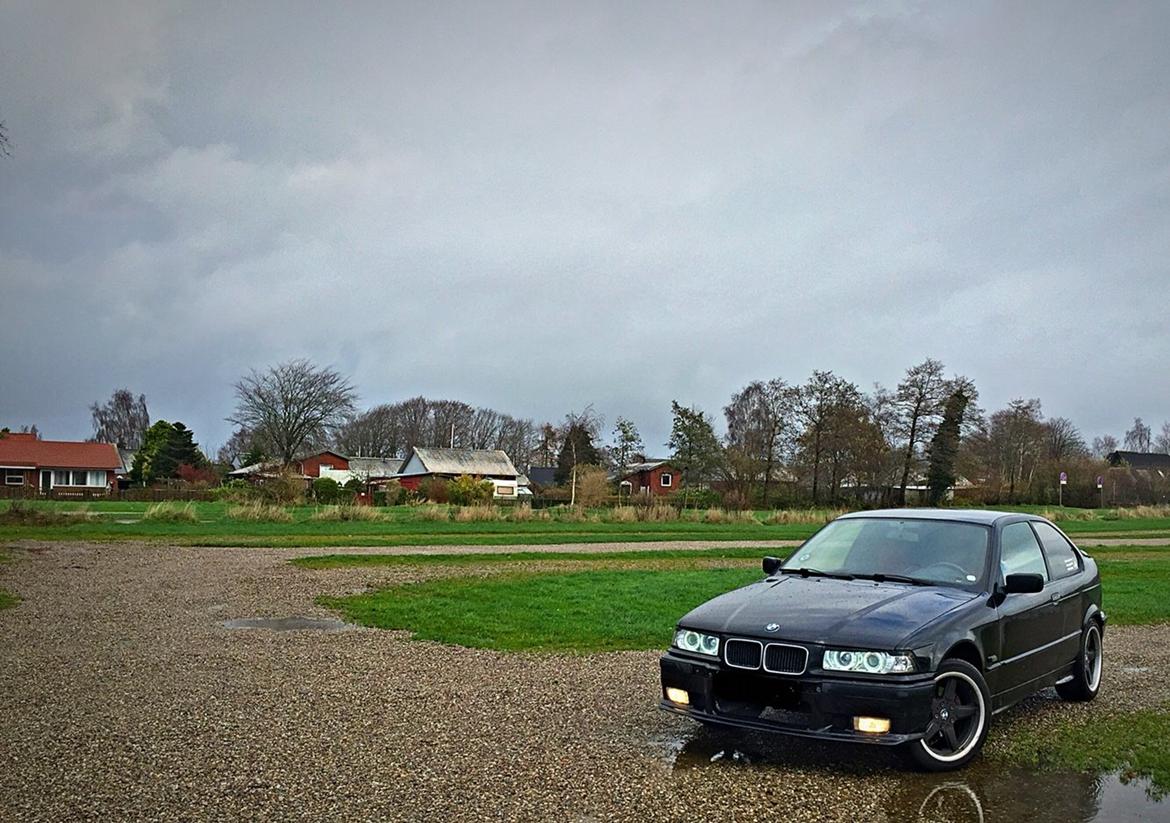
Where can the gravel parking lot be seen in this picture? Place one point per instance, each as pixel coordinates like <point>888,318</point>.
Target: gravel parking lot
<point>124,696</point>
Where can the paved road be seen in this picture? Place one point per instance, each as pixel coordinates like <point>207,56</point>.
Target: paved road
<point>123,696</point>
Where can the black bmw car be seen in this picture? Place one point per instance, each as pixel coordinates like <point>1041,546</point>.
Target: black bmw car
<point>908,627</point>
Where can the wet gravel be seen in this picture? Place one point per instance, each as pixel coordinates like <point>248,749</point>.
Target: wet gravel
<point>125,696</point>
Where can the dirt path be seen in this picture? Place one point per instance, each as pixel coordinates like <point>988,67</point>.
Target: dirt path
<point>124,697</point>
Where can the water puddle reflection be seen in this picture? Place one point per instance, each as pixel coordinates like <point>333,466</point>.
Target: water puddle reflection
<point>981,792</point>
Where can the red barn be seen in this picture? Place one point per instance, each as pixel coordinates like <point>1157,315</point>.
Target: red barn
<point>655,477</point>
<point>60,466</point>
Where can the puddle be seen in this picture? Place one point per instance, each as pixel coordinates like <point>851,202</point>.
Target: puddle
<point>981,792</point>
<point>288,624</point>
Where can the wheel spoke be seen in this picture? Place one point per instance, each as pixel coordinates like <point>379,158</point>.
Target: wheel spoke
<point>932,729</point>
<point>949,732</point>
<point>949,690</point>
<point>963,711</point>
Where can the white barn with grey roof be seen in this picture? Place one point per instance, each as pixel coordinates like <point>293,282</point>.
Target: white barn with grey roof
<point>486,464</point>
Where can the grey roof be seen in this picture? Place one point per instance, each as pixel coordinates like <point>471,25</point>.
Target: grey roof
<point>127,458</point>
<point>376,466</point>
<point>985,518</point>
<point>649,465</point>
<point>1139,460</point>
<point>484,462</point>
<point>542,476</point>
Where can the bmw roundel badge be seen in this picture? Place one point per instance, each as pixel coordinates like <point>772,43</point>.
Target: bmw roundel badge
<point>771,627</point>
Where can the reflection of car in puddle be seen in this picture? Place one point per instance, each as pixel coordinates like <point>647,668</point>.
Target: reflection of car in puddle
<point>984,792</point>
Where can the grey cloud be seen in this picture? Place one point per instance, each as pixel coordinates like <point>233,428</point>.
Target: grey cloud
<point>539,206</point>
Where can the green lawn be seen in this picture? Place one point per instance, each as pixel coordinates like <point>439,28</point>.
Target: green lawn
<point>8,600</point>
<point>579,612</point>
<point>408,526</point>
<point>629,607</point>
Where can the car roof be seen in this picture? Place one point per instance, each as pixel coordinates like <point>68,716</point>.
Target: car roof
<point>980,516</point>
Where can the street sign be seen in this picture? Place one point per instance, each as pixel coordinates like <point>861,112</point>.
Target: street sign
<point>1100,482</point>
<point>1064,478</point>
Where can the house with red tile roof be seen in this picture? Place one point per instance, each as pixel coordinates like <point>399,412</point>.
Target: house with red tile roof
<point>60,466</point>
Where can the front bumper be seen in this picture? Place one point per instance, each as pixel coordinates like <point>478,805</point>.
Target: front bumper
<point>810,705</point>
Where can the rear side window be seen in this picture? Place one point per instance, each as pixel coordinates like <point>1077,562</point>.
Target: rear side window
<point>1062,558</point>
<point>1020,553</point>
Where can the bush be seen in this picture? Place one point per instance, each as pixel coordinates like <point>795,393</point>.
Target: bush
<point>467,491</point>
<point>286,489</point>
<point>234,491</point>
<point>326,490</point>
<point>391,493</point>
<point>592,486</point>
<point>258,511</point>
<point>724,516</point>
<point>622,514</point>
<point>348,513</point>
<point>171,513</point>
<point>435,489</point>
<point>657,513</point>
<point>523,513</point>
<point>804,516</point>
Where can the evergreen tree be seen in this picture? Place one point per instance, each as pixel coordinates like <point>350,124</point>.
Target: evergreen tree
<point>577,449</point>
<point>694,446</point>
<point>179,449</point>
<point>944,448</point>
<point>153,442</point>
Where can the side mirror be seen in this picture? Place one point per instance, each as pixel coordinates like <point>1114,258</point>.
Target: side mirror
<point>1023,583</point>
<point>772,565</point>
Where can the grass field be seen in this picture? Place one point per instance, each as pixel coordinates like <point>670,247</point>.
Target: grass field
<point>222,524</point>
<point>631,600</point>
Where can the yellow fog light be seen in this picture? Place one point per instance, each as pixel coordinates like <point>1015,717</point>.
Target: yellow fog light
<point>678,696</point>
<point>871,725</point>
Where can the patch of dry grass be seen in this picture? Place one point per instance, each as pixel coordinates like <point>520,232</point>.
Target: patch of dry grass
<point>476,514</point>
<point>367,514</point>
<point>803,516</point>
<point>171,512</point>
<point>1142,512</point>
<point>432,513</point>
<point>258,511</point>
<point>21,513</point>
<point>714,515</point>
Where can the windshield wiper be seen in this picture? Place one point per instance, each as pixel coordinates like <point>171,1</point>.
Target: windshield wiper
<point>881,577</point>
<point>804,571</point>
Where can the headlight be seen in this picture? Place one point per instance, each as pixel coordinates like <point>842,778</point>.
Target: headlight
<point>697,642</point>
<point>852,660</point>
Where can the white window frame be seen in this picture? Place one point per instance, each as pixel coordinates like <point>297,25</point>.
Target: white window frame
<point>666,480</point>
<point>11,473</point>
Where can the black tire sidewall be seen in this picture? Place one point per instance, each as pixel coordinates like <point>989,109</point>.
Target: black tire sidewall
<point>917,749</point>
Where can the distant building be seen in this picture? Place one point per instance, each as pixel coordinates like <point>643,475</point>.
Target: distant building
<point>652,477</point>
<point>541,478</point>
<point>58,466</point>
<point>1141,461</point>
<point>447,464</point>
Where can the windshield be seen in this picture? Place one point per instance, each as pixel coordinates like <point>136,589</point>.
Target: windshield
<point>932,551</point>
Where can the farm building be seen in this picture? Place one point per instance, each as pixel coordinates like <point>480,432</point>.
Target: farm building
<point>483,464</point>
<point>58,466</point>
<point>653,477</point>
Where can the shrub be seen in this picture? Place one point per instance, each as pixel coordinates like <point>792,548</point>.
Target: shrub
<point>657,513</point>
<point>592,486</point>
<point>478,513</point>
<point>171,512</point>
<point>724,516</point>
<point>435,489</point>
<point>258,511</point>
<point>391,493</point>
<point>1142,512</point>
<point>287,488</point>
<point>523,512</point>
<point>199,476</point>
<point>326,490</point>
<point>348,513</point>
<point>467,491</point>
<point>234,491</point>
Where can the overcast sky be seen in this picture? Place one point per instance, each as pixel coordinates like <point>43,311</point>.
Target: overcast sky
<point>539,206</point>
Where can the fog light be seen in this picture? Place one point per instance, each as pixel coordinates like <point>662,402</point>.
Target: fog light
<point>679,696</point>
<point>871,725</point>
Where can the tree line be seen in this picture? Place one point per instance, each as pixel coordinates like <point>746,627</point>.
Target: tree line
<point>824,440</point>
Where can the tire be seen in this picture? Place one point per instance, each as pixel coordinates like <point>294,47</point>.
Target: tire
<point>960,719</point>
<point>1087,669</point>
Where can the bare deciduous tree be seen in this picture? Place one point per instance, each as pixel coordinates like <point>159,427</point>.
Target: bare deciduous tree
<point>1139,438</point>
<point>920,399</point>
<point>1103,446</point>
<point>1064,440</point>
<point>1162,441</point>
<point>123,420</point>
<point>5,142</point>
<point>759,429</point>
<point>292,404</point>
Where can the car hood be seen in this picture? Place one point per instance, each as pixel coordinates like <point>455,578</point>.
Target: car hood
<point>858,613</point>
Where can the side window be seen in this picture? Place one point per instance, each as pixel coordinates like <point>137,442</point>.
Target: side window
<point>1020,553</point>
<point>1062,558</point>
